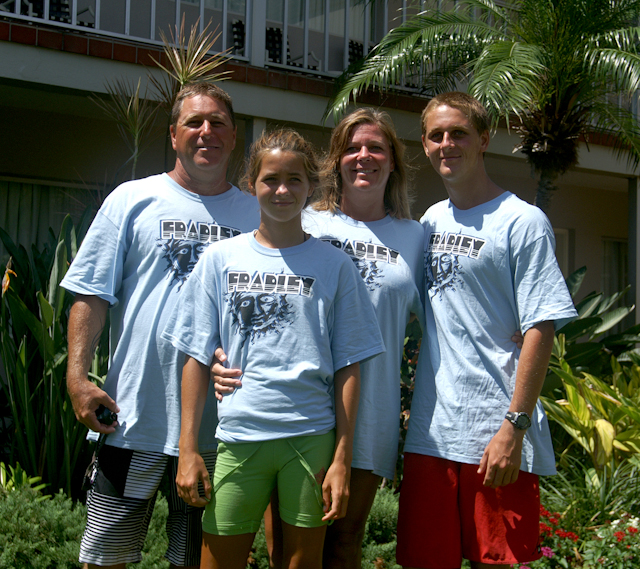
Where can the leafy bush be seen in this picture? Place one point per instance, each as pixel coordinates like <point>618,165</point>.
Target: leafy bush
<point>38,534</point>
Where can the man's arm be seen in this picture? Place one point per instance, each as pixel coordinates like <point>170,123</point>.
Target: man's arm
<point>86,321</point>
<point>335,488</point>
<point>501,459</point>
<point>191,467</point>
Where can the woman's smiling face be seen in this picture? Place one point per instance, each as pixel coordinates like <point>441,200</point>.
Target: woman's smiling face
<point>366,163</point>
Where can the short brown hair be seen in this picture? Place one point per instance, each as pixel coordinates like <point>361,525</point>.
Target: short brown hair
<point>466,104</point>
<point>201,88</point>
<point>285,140</point>
<point>396,193</point>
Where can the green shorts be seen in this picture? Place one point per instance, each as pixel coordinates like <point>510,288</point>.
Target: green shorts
<point>246,474</point>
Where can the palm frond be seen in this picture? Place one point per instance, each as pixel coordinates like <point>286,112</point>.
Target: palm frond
<point>506,78</point>
<point>421,46</point>
<point>622,127</point>
<point>619,69</point>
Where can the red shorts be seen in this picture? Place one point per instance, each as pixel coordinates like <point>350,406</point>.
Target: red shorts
<point>447,514</point>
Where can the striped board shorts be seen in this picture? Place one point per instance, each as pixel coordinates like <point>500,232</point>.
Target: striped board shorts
<point>120,504</point>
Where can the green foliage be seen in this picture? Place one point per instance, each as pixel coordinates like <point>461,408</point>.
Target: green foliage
<point>557,67</point>
<point>601,415</point>
<point>41,432</point>
<point>38,534</point>
<point>586,343</point>
<point>12,479</point>
<point>379,543</point>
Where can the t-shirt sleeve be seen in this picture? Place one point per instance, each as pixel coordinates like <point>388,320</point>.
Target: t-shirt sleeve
<point>355,334</point>
<point>97,268</point>
<point>540,289</point>
<point>193,325</point>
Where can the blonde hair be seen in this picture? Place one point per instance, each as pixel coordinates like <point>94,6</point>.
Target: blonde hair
<point>466,104</point>
<point>285,140</point>
<point>396,193</point>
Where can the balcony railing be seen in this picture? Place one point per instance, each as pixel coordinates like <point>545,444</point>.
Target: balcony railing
<point>319,36</point>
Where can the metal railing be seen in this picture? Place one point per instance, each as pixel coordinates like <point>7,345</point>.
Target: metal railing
<point>319,36</point>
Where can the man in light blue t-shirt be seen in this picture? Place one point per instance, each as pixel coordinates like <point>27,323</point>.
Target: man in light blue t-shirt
<point>134,261</point>
<point>478,437</point>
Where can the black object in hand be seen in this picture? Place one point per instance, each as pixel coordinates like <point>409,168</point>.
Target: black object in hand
<point>106,416</point>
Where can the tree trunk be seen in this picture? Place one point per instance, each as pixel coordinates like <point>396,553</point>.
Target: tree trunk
<point>546,187</point>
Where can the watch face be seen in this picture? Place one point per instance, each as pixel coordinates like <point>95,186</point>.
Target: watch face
<point>520,420</point>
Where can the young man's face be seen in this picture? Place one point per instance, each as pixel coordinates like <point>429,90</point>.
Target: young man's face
<point>453,145</point>
<point>203,137</point>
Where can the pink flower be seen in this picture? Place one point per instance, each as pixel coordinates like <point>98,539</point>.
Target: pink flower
<point>547,551</point>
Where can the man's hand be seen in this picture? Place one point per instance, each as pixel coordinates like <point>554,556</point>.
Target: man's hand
<point>191,470</point>
<point>86,397</point>
<point>335,491</point>
<point>501,459</point>
<point>225,380</point>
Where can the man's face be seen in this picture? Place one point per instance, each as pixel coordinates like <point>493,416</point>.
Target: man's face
<point>203,137</point>
<point>453,145</point>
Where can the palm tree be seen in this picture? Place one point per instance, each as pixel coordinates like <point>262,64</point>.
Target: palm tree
<point>557,71</point>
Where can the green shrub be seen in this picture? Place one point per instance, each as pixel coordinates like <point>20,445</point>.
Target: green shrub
<point>42,534</point>
<point>38,534</point>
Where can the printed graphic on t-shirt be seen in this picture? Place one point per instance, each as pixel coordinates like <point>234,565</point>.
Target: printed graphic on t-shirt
<point>258,302</point>
<point>183,242</point>
<point>442,266</point>
<point>366,256</point>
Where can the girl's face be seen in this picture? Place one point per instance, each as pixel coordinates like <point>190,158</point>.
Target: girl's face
<point>282,186</point>
<point>366,163</point>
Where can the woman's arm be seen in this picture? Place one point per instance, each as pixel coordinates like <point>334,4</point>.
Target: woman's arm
<point>335,488</point>
<point>191,467</point>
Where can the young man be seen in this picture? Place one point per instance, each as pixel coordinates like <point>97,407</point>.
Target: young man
<point>138,253</point>
<point>478,437</point>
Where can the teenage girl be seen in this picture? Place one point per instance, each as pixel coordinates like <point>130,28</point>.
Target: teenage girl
<point>294,314</point>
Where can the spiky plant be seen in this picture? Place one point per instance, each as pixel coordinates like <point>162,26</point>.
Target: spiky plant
<point>188,61</point>
<point>133,113</point>
<point>558,71</point>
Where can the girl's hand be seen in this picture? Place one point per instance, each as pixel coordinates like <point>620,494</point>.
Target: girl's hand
<point>191,470</point>
<point>225,380</point>
<point>335,491</point>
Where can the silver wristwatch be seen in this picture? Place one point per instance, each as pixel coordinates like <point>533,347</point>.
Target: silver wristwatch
<point>519,420</point>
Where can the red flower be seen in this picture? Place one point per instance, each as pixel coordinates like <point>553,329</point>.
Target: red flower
<point>620,535</point>
<point>568,534</point>
<point>544,512</point>
<point>553,521</point>
<point>544,528</point>
<point>631,529</point>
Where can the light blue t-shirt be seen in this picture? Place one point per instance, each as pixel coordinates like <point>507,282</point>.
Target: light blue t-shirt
<point>289,318</point>
<point>388,254</point>
<point>138,253</point>
<point>490,270</point>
